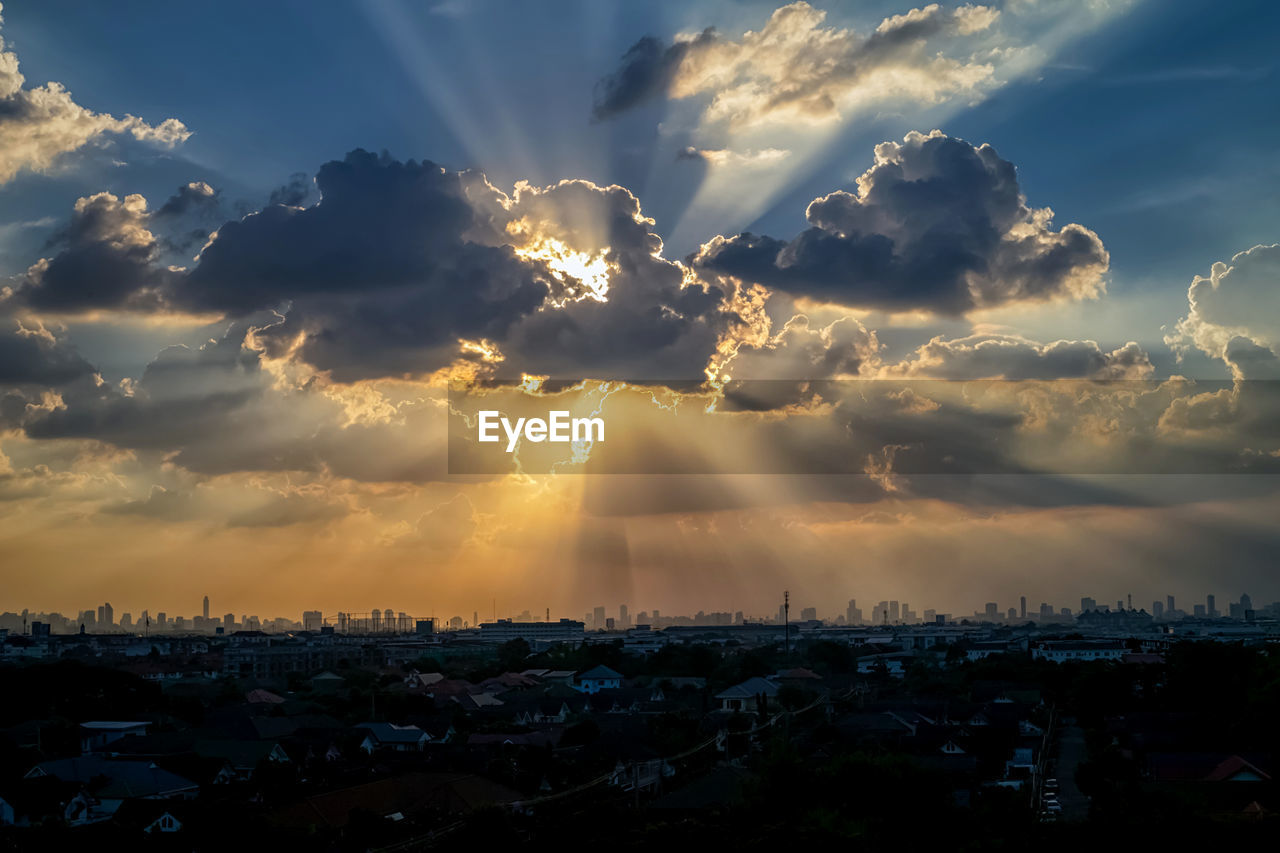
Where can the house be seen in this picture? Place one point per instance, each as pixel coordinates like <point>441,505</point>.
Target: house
<point>150,816</point>
<point>392,737</point>
<point>478,701</point>
<point>894,663</point>
<point>750,696</point>
<point>598,678</point>
<point>982,650</point>
<point>242,757</point>
<point>1204,767</point>
<point>263,697</point>
<point>326,682</point>
<point>105,784</point>
<point>96,734</point>
<point>549,737</point>
<point>550,711</point>
<point>799,677</point>
<point>1079,650</point>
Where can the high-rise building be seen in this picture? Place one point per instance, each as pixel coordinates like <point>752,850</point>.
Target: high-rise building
<point>1168,605</point>
<point>1157,609</point>
<point>1198,611</point>
<point>206,607</point>
<point>623,619</point>
<point>108,619</point>
<point>808,614</point>
<point>894,615</point>
<point>229,622</point>
<point>852,615</point>
<point>1087,604</point>
<point>1246,603</point>
<point>312,620</point>
<point>597,619</point>
<point>992,612</point>
<point>1211,607</point>
<point>1023,607</point>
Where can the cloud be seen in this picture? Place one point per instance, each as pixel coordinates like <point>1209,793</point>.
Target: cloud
<point>40,124</point>
<point>649,318</point>
<point>294,193</point>
<point>1234,313</point>
<point>936,224</point>
<point>31,355</point>
<point>400,262</point>
<point>795,68</point>
<point>983,356</point>
<point>648,70</point>
<point>107,260</point>
<point>196,196</point>
<point>759,159</point>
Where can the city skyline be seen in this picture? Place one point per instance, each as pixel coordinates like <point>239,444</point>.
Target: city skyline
<point>879,300</point>
<point>887,612</point>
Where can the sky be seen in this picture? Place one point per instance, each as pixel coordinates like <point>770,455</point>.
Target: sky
<point>944,304</point>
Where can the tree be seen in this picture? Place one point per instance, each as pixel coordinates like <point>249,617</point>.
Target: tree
<point>512,655</point>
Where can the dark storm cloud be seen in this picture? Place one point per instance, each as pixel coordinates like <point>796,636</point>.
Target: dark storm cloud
<point>646,72</point>
<point>196,197</point>
<point>294,193</point>
<point>34,356</point>
<point>107,260</point>
<point>936,224</point>
<point>381,264</point>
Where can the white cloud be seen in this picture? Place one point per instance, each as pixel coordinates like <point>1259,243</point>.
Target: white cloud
<point>41,123</point>
<point>1234,312</point>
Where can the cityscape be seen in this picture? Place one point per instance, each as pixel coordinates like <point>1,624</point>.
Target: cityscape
<point>378,729</point>
<point>639,426</point>
<point>103,619</point>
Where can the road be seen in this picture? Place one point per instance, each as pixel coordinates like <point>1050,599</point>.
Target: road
<point>1070,752</point>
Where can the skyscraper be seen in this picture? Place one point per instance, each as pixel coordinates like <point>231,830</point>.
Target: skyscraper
<point>597,618</point>
<point>109,615</point>
<point>853,616</point>
<point>1168,605</point>
<point>206,607</point>
<point>623,617</point>
<point>1023,608</point>
<point>1210,606</point>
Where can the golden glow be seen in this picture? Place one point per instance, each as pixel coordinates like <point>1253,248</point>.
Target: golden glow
<point>582,275</point>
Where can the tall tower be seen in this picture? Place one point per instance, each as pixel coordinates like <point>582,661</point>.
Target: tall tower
<point>1023,609</point>
<point>206,607</point>
<point>786,623</point>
